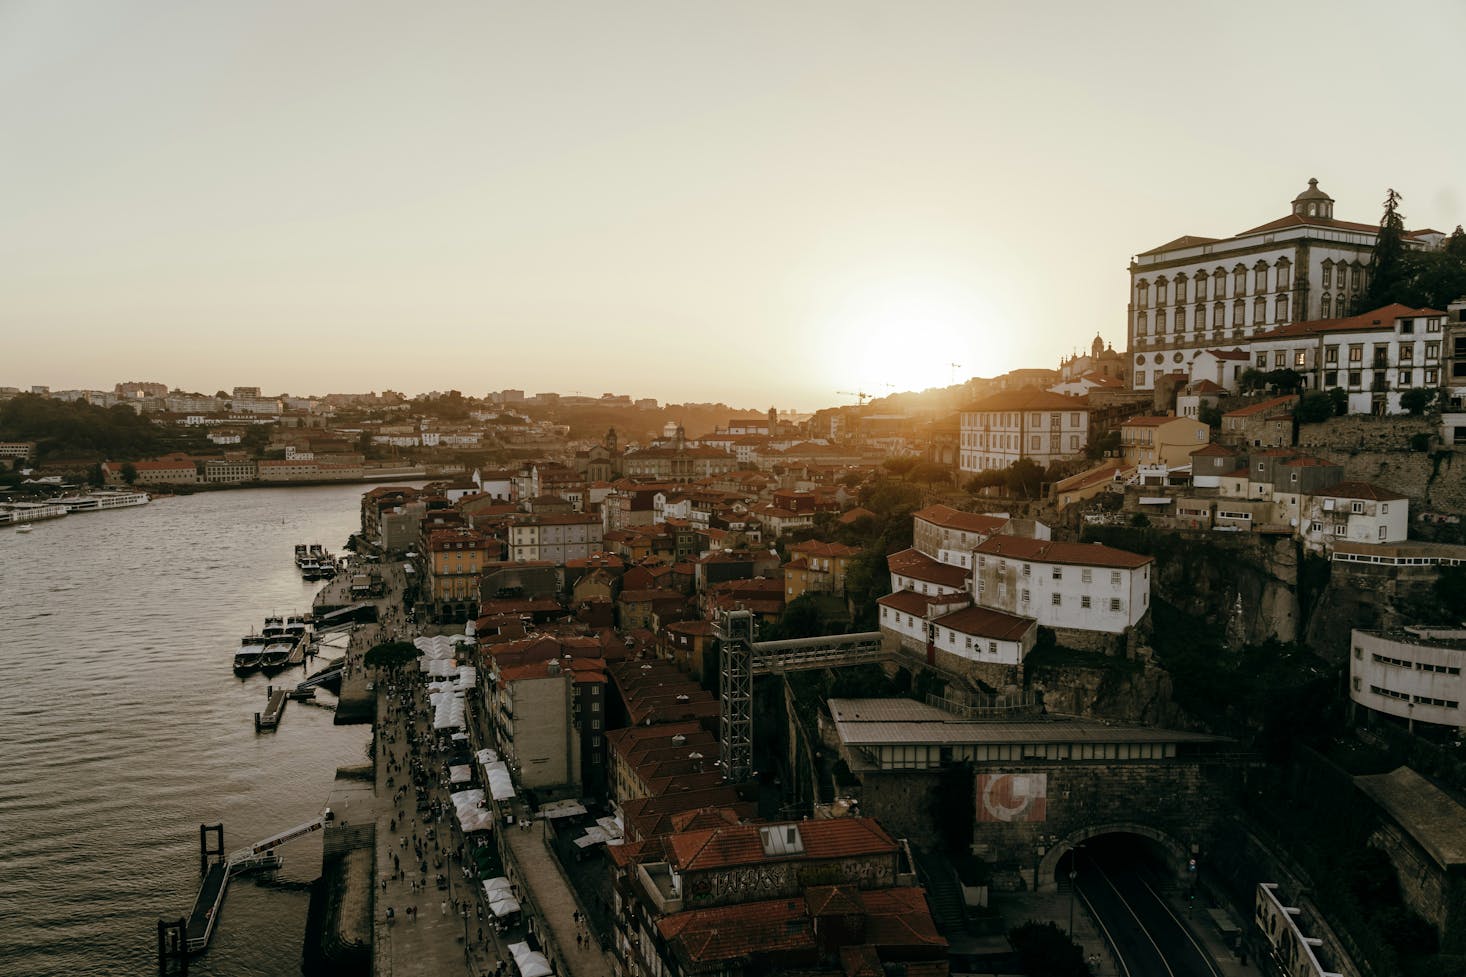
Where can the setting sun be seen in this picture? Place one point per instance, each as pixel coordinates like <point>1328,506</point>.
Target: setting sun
<point>909,334</point>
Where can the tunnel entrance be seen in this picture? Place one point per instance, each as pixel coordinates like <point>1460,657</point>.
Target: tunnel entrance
<point>1116,845</point>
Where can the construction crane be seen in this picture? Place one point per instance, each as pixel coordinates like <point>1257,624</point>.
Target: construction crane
<point>861,395</point>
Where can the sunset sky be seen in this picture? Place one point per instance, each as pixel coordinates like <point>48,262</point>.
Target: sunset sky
<point>756,202</point>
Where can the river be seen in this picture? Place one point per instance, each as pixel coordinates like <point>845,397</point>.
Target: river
<point>124,728</point>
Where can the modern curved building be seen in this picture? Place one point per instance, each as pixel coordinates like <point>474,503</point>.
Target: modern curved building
<point>1411,674</point>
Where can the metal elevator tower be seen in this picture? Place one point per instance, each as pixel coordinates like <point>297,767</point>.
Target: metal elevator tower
<point>735,688</point>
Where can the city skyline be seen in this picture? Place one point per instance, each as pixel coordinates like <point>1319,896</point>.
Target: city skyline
<point>753,206</point>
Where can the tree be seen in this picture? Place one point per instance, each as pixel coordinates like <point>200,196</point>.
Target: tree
<point>1210,416</point>
<point>129,472</point>
<point>1284,380</point>
<point>1388,267</point>
<point>900,466</point>
<point>930,472</point>
<point>992,478</point>
<point>1314,407</point>
<point>1339,397</point>
<point>1251,379</point>
<point>1103,445</point>
<point>1024,478</point>
<point>391,655</point>
<point>1417,400</point>
<point>95,476</point>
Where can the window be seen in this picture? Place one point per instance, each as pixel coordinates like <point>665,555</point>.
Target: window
<point>1218,317</point>
<point>1025,595</point>
<point>1160,293</point>
<point>1407,378</point>
<point>1058,573</point>
<point>1056,599</point>
<point>1407,352</point>
<point>1280,358</point>
<point>1239,313</point>
<point>1354,378</point>
<point>1300,357</point>
<point>1328,272</point>
<point>1086,575</point>
<point>1331,354</point>
<point>1281,308</point>
<point>1140,378</point>
<point>1114,605</point>
<point>1084,601</point>
<point>1160,321</point>
<point>1027,570</point>
<point>1259,309</point>
<point>1407,327</point>
<point>1356,352</point>
<point>1433,350</point>
<point>1339,529</point>
<point>1325,309</point>
<point>1331,378</point>
<point>993,647</point>
<point>1180,319</point>
<point>1034,443</point>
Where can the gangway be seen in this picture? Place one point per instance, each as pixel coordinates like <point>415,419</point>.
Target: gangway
<point>218,869</point>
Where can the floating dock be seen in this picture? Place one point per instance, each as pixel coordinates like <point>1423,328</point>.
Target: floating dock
<point>270,718</point>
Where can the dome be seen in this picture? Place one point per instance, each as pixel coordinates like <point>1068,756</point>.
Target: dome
<point>1313,202</point>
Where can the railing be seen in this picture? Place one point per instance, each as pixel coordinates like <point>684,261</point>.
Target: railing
<point>986,706</point>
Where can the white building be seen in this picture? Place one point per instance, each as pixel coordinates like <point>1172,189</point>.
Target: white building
<point>1078,586</point>
<point>1354,512</point>
<point>1412,674</point>
<point>915,571</point>
<point>981,634</point>
<point>1374,356</point>
<point>1031,423</point>
<point>1194,293</point>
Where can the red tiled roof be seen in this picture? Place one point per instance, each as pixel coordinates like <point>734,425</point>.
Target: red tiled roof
<point>950,518</point>
<point>1184,241</point>
<point>731,932</point>
<point>1382,318</point>
<point>1153,420</point>
<point>1360,490</point>
<point>1213,449</point>
<point>919,566</point>
<point>1297,220</point>
<point>986,623</point>
<point>813,547</point>
<point>1104,473</point>
<point>1049,551</point>
<point>910,602</point>
<point>1262,406</point>
<point>1026,399</point>
<point>859,512</point>
<point>1205,387</point>
<point>823,839</point>
<point>1230,354</point>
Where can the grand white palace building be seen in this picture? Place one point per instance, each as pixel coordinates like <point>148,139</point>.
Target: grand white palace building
<point>1199,293</point>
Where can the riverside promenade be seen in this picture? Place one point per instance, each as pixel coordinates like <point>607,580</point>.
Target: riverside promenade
<point>449,930</point>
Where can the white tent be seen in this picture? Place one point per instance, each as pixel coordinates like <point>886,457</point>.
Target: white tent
<point>563,809</point>
<point>473,814</point>
<point>529,962</point>
<point>460,773</point>
<point>501,784</point>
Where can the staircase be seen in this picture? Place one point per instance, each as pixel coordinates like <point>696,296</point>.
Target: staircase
<point>943,893</point>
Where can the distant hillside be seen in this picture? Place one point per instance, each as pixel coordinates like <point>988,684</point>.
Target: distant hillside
<point>631,424</point>
<point>77,429</point>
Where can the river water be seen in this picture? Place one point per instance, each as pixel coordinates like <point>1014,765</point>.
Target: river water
<point>124,728</point>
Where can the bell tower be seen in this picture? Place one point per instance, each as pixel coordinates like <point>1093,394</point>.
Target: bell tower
<point>1313,202</point>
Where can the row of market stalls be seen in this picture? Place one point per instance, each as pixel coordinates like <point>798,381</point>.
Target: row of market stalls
<point>479,802</point>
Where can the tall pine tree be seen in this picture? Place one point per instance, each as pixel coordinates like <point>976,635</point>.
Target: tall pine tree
<point>1387,266</point>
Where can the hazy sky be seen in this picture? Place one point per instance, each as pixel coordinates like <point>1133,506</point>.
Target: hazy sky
<point>755,202</point>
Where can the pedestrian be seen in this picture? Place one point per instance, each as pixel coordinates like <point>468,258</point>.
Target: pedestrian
<point>443,908</point>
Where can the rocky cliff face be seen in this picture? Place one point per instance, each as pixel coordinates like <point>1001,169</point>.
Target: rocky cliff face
<point>1130,695</point>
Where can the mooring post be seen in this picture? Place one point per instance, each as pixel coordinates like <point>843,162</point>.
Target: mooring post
<point>257,722</point>
<point>173,945</point>
<point>205,849</point>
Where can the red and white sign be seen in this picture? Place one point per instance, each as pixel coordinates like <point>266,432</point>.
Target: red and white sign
<point>1008,797</point>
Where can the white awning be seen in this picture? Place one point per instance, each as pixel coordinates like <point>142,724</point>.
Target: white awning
<point>563,809</point>
<point>529,962</point>
<point>460,773</point>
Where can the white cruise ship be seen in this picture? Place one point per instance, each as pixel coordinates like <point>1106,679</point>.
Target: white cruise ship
<point>96,501</point>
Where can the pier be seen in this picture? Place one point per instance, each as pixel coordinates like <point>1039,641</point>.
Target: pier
<point>270,718</point>
<point>218,868</point>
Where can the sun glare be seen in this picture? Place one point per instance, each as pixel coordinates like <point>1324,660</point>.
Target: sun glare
<point>909,335</point>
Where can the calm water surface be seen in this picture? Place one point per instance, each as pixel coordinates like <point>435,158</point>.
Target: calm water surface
<point>124,728</point>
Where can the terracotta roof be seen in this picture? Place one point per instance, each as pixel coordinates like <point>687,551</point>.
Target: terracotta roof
<point>1382,318</point>
<point>986,623</point>
<point>1214,450</point>
<point>1152,420</point>
<point>1205,387</point>
<point>1230,354</point>
<point>1296,220</point>
<point>1049,551</point>
<point>814,547</point>
<point>1262,406</point>
<point>1359,490</point>
<point>910,602</point>
<point>859,512</point>
<point>822,839</point>
<point>1184,241</point>
<point>950,518</point>
<point>731,932</point>
<point>916,564</point>
<point>1032,398</point>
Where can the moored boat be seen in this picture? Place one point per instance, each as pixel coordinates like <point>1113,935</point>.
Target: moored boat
<point>251,650</point>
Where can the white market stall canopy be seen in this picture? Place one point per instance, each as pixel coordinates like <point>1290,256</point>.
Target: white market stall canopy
<point>529,962</point>
<point>472,812</point>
